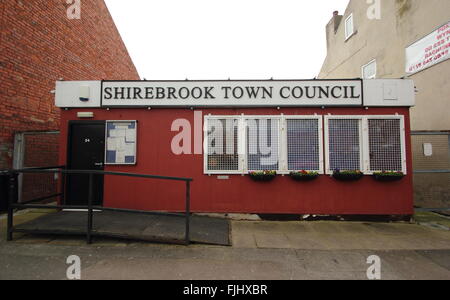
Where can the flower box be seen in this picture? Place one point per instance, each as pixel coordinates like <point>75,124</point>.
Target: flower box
<point>304,175</point>
<point>352,175</point>
<point>263,176</point>
<point>387,176</point>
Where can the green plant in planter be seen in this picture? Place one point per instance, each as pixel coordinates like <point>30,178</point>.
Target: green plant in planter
<point>304,175</point>
<point>348,175</point>
<point>388,175</point>
<point>266,175</point>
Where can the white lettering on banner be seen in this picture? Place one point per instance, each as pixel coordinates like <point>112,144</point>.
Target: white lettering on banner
<point>429,51</point>
<point>231,93</point>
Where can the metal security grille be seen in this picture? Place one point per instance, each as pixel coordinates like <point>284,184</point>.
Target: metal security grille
<point>263,144</point>
<point>385,147</point>
<point>32,150</point>
<point>303,144</point>
<point>344,144</point>
<point>222,151</point>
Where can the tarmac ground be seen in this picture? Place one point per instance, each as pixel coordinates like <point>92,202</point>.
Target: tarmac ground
<point>261,250</point>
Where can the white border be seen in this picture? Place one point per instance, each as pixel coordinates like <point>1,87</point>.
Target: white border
<point>135,139</point>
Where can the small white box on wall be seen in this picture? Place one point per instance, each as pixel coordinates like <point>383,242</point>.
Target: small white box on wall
<point>85,93</point>
<point>428,149</point>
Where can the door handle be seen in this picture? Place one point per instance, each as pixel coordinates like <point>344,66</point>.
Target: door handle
<point>98,164</point>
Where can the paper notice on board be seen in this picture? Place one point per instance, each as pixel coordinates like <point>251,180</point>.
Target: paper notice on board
<point>120,132</point>
<point>120,157</point>
<point>130,136</point>
<point>129,150</point>
<point>111,144</point>
<point>120,144</point>
<point>117,133</point>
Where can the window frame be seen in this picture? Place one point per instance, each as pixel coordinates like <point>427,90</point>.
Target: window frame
<point>368,64</point>
<point>323,135</point>
<point>364,140</point>
<point>280,146</point>
<point>348,35</point>
<point>321,141</point>
<point>328,171</point>
<point>242,142</point>
<point>205,145</point>
<point>402,142</point>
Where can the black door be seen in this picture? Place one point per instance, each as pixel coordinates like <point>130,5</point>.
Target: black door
<point>86,151</point>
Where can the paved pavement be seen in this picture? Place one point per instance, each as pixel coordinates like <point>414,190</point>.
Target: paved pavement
<point>261,250</point>
<point>329,235</point>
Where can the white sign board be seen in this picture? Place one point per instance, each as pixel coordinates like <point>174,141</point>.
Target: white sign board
<point>231,93</point>
<point>429,51</point>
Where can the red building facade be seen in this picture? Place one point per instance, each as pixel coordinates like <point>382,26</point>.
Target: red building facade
<point>345,125</point>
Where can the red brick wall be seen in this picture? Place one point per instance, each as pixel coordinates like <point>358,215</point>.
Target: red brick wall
<point>44,152</point>
<point>39,45</point>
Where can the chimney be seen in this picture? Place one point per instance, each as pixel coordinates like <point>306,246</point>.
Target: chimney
<point>336,20</point>
<point>333,26</point>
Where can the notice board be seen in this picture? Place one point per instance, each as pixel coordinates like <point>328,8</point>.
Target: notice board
<point>121,142</point>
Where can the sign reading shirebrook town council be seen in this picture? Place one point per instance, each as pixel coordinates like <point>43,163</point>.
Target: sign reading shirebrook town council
<point>231,93</point>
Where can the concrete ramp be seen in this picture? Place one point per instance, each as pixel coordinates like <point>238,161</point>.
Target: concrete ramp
<point>157,227</point>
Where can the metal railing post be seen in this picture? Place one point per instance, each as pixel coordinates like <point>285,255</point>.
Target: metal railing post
<point>188,211</point>
<point>90,210</point>
<point>11,199</point>
<point>63,187</point>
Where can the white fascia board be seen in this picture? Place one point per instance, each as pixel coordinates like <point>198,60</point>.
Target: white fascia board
<point>377,93</point>
<point>389,92</point>
<point>74,94</point>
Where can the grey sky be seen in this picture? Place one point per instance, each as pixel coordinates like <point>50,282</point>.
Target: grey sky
<point>218,39</point>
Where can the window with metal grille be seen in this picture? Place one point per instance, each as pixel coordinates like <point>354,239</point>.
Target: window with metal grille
<point>222,145</point>
<point>303,144</point>
<point>263,144</point>
<point>385,145</point>
<point>344,144</point>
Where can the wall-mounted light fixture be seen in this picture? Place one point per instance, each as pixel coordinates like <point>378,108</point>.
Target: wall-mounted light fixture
<point>87,114</point>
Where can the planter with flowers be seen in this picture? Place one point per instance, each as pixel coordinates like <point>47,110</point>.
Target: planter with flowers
<point>304,175</point>
<point>263,176</point>
<point>388,176</point>
<point>348,175</point>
